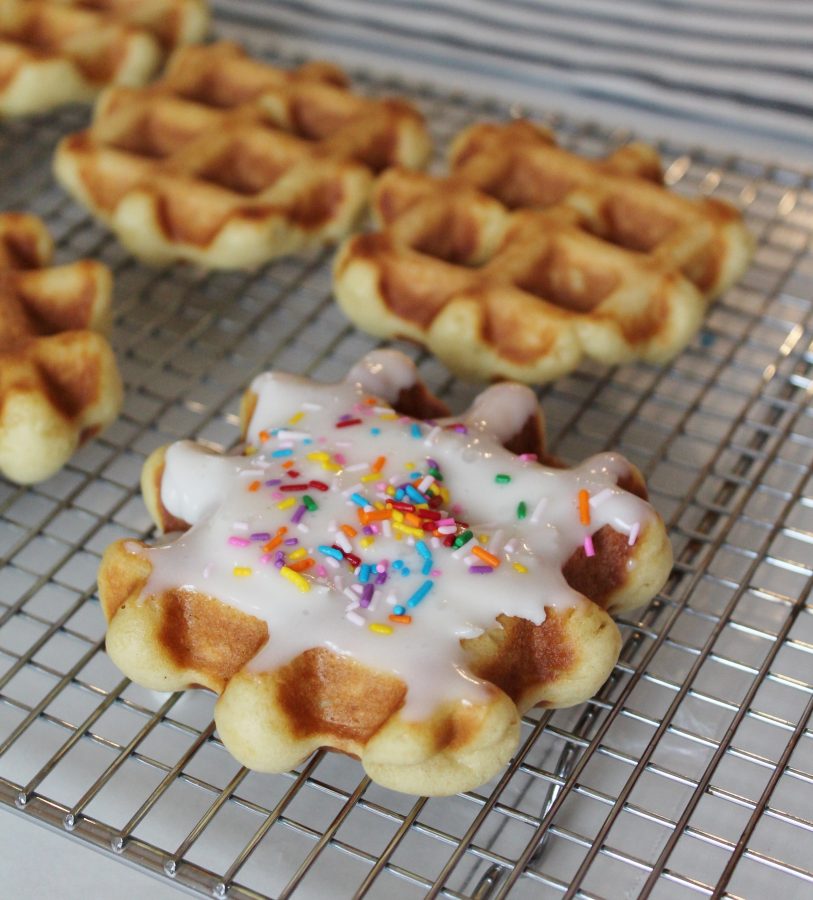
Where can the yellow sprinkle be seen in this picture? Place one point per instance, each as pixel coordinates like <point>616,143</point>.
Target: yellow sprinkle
<point>377,504</point>
<point>378,628</point>
<point>409,465</point>
<point>482,538</point>
<point>331,467</point>
<point>373,476</point>
<point>407,529</point>
<point>520,568</point>
<point>390,490</point>
<point>298,553</point>
<point>241,571</point>
<point>296,418</point>
<point>249,450</point>
<point>366,542</point>
<point>388,417</point>
<point>397,515</point>
<point>295,578</point>
<point>286,504</point>
<point>318,455</point>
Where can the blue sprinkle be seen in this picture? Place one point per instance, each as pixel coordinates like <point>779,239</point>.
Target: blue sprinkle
<point>405,571</point>
<point>399,494</point>
<point>414,495</point>
<point>399,610</point>
<point>375,431</point>
<point>364,573</point>
<point>415,430</point>
<point>397,564</point>
<point>307,441</point>
<point>422,591</point>
<point>426,568</point>
<point>359,500</point>
<point>423,550</point>
<point>287,452</point>
<point>330,551</point>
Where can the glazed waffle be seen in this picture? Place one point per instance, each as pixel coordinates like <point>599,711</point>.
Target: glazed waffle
<point>529,258</point>
<point>449,634</point>
<point>229,162</point>
<point>58,379</point>
<point>65,51</point>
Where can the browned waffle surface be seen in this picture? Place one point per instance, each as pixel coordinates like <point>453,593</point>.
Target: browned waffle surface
<point>229,162</point>
<point>528,258</point>
<point>66,50</point>
<point>171,636</point>
<point>58,379</point>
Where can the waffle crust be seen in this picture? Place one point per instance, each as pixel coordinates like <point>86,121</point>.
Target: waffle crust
<point>229,162</point>
<point>66,51</point>
<point>59,384</point>
<point>528,258</point>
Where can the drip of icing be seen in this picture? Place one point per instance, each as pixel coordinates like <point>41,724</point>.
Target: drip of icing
<point>383,373</point>
<point>216,494</point>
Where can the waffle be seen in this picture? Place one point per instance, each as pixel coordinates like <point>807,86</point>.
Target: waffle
<point>66,51</point>
<point>59,384</point>
<point>229,162</point>
<point>529,258</point>
<point>396,589</point>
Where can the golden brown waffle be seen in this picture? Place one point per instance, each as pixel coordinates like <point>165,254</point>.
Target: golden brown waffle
<point>59,384</point>
<point>229,162</point>
<point>296,666</point>
<point>66,51</point>
<point>529,258</point>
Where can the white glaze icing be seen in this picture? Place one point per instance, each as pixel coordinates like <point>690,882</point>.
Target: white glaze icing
<point>214,494</point>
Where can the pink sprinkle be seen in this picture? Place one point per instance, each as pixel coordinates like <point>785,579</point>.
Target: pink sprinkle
<point>589,550</point>
<point>528,457</point>
<point>266,558</point>
<point>340,458</point>
<point>277,495</point>
<point>238,541</point>
<point>636,527</point>
<point>321,571</point>
<point>446,521</point>
<point>435,573</point>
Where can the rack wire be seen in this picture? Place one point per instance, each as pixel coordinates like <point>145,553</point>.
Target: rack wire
<point>691,772</point>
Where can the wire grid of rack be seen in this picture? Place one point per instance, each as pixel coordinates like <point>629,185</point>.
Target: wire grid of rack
<point>690,773</point>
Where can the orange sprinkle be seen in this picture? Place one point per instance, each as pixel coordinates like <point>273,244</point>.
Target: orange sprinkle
<point>379,464</point>
<point>370,401</point>
<point>302,565</point>
<point>254,486</point>
<point>264,436</point>
<point>488,558</point>
<point>287,464</point>
<point>375,515</point>
<point>413,520</point>
<point>348,530</point>
<point>584,507</point>
<point>275,541</point>
<point>403,620</point>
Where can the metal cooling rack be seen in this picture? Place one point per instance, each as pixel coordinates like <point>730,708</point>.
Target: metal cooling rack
<point>690,773</point>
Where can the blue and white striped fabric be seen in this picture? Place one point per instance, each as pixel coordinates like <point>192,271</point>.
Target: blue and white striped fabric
<point>734,73</point>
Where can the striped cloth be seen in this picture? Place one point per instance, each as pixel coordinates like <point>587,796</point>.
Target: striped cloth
<point>737,74</point>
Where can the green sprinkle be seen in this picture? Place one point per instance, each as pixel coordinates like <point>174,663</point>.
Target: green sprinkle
<point>310,503</point>
<point>463,538</point>
<point>522,510</point>
<point>502,478</point>
<point>436,473</point>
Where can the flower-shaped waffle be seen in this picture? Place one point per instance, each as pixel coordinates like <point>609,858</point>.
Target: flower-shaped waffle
<point>397,589</point>
<point>66,51</point>
<point>229,162</point>
<point>529,258</point>
<point>58,379</point>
